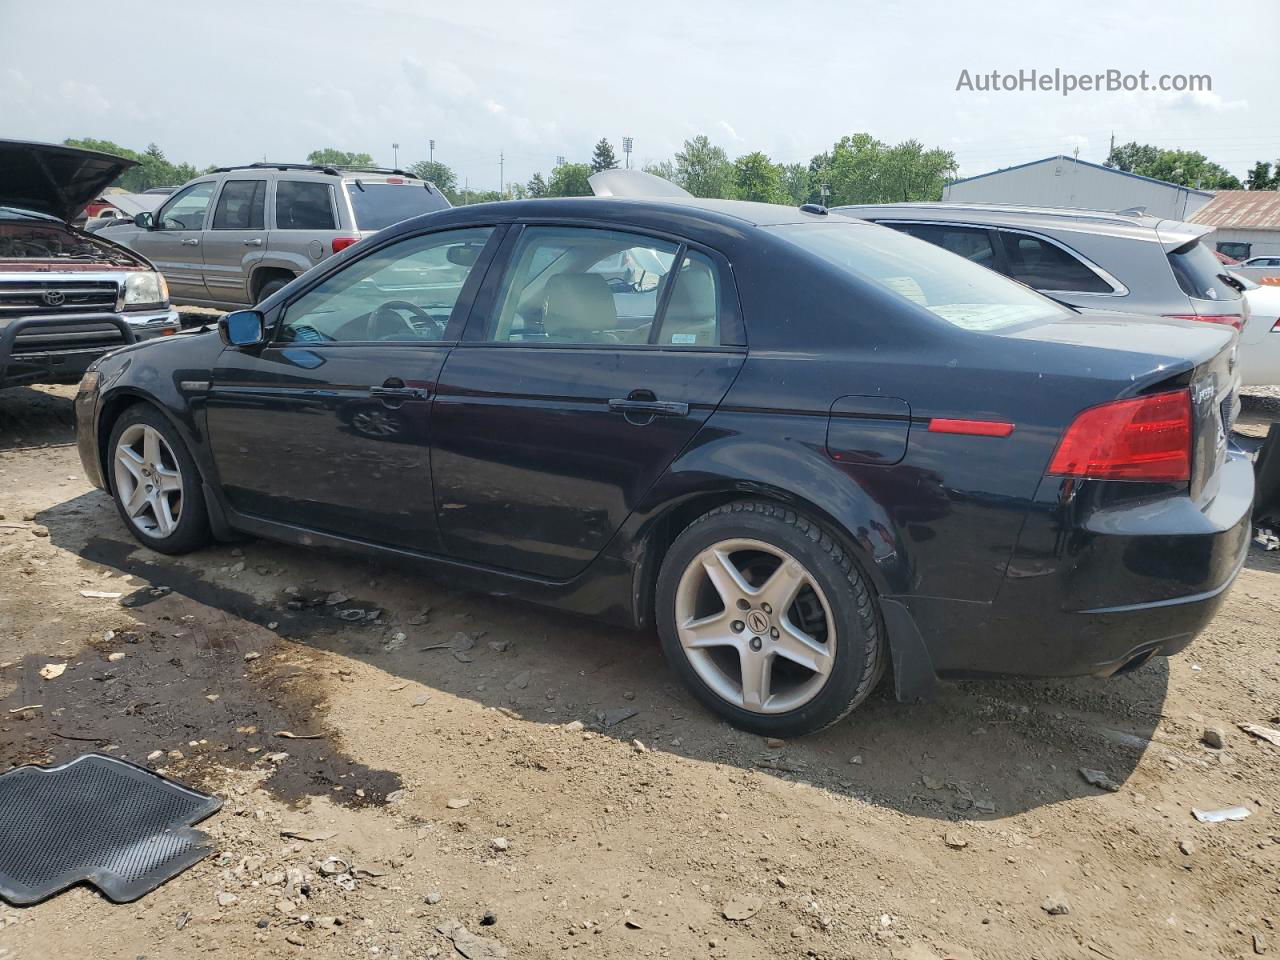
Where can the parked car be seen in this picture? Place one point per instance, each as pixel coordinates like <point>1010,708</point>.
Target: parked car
<point>1260,338</point>
<point>1258,269</point>
<point>66,297</point>
<point>235,236</point>
<point>824,446</point>
<point>1095,260</point>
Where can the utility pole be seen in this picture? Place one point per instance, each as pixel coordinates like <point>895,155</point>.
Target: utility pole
<point>502,180</point>
<point>431,151</point>
<point>626,148</point>
<point>466,190</point>
<point>1113,145</point>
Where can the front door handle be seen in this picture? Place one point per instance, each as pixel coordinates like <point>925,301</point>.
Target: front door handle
<point>191,241</point>
<point>398,393</point>
<point>658,408</point>
<point>255,242</point>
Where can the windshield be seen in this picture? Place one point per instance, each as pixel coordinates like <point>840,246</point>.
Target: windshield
<point>380,204</point>
<point>1200,274</point>
<point>948,286</point>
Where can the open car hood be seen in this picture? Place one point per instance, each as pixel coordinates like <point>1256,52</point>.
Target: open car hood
<point>55,180</point>
<point>633,183</point>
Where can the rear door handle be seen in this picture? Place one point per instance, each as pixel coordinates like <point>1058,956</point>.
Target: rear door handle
<point>191,241</point>
<point>659,408</point>
<point>255,242</point>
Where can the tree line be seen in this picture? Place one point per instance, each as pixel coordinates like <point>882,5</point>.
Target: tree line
<point>857,169</point>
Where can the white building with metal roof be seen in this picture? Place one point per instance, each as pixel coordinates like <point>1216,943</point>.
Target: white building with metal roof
<point>1063,181</point>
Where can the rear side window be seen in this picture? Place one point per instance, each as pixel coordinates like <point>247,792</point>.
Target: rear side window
<point>1200,274</point>
<point>1042,265</point>
<point>968,242</point>
<point>381,204</point>
<point>241,205</point>
<point>692,315</point>
<point>950,287</point>
<point>302,205</point>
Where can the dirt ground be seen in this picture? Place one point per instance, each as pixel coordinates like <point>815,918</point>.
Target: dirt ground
<point>449,777</point>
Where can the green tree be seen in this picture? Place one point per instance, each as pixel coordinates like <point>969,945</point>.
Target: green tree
<point>1261,178</point>
<point>756,177</point>
<point>797,183</point>
<point>331,157</point>
<point>704,169</point>
<point>570,180</point>
<point>663,168</point>
<point>603,158</point>
<point>1190,168</point>
<point>862,169</point>
<point>537,187</point>
<point>438,173</point>
<point>480,196</point>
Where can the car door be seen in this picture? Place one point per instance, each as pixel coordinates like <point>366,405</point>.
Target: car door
<point>304,222</point>
<point>173,243</point>
<point>328,426</point>
<point>236,239</point>
<point>573,390</point>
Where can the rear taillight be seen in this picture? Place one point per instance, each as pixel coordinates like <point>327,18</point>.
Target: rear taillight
<point>1233,320</point>
<point>1275,327</point>
<point>1147,438</point>
<point>341,243</point>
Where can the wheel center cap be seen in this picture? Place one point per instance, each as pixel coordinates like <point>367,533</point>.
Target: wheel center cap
<point>757,621</point>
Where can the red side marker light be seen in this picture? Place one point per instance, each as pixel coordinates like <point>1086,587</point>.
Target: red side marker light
<point>341,243</point>
<point>971,428</point>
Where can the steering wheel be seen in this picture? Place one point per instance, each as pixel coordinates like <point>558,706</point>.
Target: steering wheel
<point>388,313</point>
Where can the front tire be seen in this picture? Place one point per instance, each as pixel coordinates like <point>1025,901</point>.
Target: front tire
<point>768,621</point>
<point>155,483</point>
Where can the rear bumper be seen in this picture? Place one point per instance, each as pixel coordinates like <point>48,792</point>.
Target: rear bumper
<point>1090,595</point>
<point>66,362</point>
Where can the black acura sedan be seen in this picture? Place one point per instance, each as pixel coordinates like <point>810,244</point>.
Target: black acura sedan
<point>803,447</point>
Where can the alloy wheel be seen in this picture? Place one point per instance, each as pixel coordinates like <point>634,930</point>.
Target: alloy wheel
<point>755,626</point>
<point>148,480</point>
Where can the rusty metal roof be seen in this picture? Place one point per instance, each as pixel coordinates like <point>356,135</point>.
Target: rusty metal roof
<point>1258,209</point>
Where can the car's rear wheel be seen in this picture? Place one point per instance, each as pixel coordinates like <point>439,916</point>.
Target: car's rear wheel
<point>768,620</point>
<point>271,286</point>
<point>155,483</point>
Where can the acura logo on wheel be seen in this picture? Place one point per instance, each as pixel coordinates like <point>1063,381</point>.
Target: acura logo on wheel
<point>54,298</point>
<point>757,621</point>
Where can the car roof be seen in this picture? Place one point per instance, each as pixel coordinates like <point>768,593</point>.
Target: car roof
<point>1114,223</point>
<point>710,210</point>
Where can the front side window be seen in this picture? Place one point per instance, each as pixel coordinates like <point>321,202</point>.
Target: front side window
<point>950,287</point>
<point>304,205</point>
<point>405,292</point>
<point>1042,265</point>
<point>241,205</point>
<point>582,286</point>
<point>187,208</point>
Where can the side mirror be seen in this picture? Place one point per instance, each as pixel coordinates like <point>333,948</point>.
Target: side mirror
<point>244,328</point>
<point>144,220</point>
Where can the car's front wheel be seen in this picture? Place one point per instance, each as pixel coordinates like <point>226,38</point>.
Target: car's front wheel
<point>767,619</point>
<point>155,483</point>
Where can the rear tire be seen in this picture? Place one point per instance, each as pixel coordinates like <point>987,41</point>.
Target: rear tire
<point>768,621</point>
<point>272,286</point>
<point>155,482</point>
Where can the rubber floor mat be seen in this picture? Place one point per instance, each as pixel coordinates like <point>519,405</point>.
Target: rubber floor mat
<point>121,827</point>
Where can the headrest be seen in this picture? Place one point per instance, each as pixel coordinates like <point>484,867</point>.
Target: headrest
<point>576,303</point>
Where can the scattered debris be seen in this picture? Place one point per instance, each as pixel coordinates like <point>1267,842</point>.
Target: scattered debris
<point>774,743</point>
<point>501,844</point>
<point>252,655</point>
<point>1262,733</point>
<point>1187,847</point>
<point>457,803</point>
<point>519,682</point>
<point>471,946</point>
<point>1099,779</point>
<point>638,747</point>
<point>573,726</point>
<point>741,908</point>
<point>290,735</point>
<point>954,840</point>
<point>489,919</point>
<point>116,656</point>
<point>227,899</point>
<point>310,836</point>
<point>1214,736</point>
<point>611,718</point>
<point>1267,539</point>
<point>434,897</point>
<point>51,671</point>
<point>421,699</point>
<point>1218,816</point>
<point>101,594</point>
<point>1056,905</point>
<point>499,646</point>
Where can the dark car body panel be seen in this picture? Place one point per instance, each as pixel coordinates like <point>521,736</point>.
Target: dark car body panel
<point>539,490</point>
<point>53,179</point>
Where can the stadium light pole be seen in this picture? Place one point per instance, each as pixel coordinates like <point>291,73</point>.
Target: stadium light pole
<point>626,148</point>
<point>395,155</point>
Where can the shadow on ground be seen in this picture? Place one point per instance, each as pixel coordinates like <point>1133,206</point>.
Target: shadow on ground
<point>984,750</point>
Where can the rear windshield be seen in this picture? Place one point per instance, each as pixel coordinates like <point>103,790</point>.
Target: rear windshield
<point>949,286</point>
<point>379,205</point>
<point>1201,275</point>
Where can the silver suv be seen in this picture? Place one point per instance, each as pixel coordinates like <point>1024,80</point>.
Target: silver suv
<point>1092,259</point>
<point>237,235</point>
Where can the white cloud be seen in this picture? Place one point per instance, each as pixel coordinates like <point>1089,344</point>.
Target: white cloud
<point>1202,100</point>
<point>724,125</point>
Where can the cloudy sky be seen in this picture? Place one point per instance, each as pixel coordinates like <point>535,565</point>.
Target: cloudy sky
<point>231,81</point>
